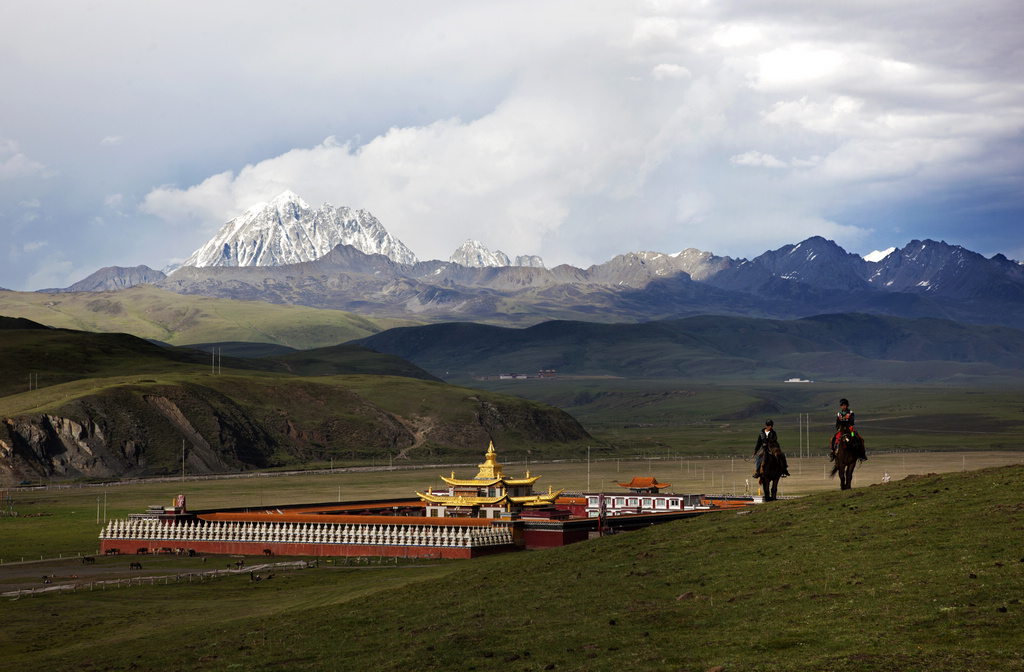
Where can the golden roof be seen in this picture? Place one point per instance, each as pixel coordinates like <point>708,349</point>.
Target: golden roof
<point>529,480</point>
<point>461,500</point>
<point>536,499</point>
<point>490,475</point>
<point>470,481</point>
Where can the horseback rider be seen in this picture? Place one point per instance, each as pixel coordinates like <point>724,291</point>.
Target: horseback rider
<point>766,438</point>
<point>844,425</point>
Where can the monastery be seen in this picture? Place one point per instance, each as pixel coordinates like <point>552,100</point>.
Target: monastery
<point>489,513</point>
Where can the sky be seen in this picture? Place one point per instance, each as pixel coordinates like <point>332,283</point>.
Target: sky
<point>130,132</point>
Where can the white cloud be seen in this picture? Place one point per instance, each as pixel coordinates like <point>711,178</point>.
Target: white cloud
<point>730,36</point>
<point>112,140</point>
<point>14,163</point>
<point>756,158</point>
<point>513,173</point>
<point>669,71</point>
<point>799,66</point>
<point>34,245</point>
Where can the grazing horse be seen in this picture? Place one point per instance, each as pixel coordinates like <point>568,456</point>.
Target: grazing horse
<point>848,451</point>
<point>771,471</point>
<point>134,565</point>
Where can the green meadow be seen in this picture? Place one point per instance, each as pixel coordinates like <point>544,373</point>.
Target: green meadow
<point>923,572</point>
<point>712,417</point>
<point>157,314</point>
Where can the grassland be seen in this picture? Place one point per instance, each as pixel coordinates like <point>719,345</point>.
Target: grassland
<point>66,519</point>
<point>921,573</point>
<point>658,417</point>
<point>156,314</point>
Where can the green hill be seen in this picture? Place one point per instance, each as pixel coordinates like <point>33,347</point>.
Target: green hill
<point>160,315</point>
<point>921,574</point>
<point>823,348</point>
<point>38,356</point>
<point>85,405</point>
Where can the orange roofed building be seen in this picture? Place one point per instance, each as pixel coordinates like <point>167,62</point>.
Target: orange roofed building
<point>490,494</point>
<point>645,484</point>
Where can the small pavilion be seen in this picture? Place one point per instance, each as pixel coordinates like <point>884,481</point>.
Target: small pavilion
<point>490,494</point>
<point>645,484</point>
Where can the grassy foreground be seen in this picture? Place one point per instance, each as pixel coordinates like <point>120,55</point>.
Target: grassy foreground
<point>922,573</point>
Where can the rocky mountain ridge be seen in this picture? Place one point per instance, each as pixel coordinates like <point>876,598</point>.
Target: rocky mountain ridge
<point>923,279</point>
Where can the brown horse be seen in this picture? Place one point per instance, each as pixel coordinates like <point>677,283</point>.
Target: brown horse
<point>771,471</point>
<point>848,451</point>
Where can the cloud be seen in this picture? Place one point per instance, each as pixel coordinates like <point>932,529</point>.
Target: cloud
<point>34,245</point>
<point>669,71</point>
<point>514,173</point>
<point>14,164</point>
<point>755,158</point>
<point>657,125</point>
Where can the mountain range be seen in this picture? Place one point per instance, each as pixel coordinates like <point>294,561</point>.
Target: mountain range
<point>287,253</point>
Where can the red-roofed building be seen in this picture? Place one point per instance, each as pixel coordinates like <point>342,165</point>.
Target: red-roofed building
<point>645,484</point>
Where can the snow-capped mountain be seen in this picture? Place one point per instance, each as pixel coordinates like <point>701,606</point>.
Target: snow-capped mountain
<point>288,231</point>
<point>474,254</point>
<point>878,255</point>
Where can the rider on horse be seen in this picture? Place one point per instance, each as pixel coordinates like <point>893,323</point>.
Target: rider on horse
<point>844,425</point>
<point>765,438</point>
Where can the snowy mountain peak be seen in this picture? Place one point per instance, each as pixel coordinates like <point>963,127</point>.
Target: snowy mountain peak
<point>878,255</point>
<point>289,196</point>
<point>474,254</point>
<point>287,231</point>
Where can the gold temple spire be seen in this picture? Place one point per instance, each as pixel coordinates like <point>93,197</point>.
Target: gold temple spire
<point>490,469</point>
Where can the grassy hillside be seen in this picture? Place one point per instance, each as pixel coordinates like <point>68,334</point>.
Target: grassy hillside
<point>132,426</point>
<point>85,405</point>
<point>924,573</point>
<point>38,356</point>
<point>156,314</point>
<point>343,359</point>
<point>834,348</point>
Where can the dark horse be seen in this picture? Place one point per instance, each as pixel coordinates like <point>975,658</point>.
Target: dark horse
<point>848,451</point>
<point>771,471</point>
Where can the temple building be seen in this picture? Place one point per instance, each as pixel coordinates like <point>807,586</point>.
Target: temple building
<point>645,484</point>
<point>490,494</point>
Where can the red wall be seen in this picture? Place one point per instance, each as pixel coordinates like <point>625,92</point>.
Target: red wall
<point>131,546</point>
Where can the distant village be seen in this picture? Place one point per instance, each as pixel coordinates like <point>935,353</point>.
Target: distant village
<point>543,373</point>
